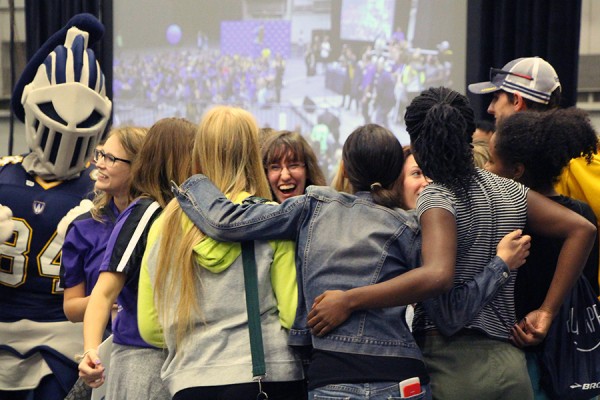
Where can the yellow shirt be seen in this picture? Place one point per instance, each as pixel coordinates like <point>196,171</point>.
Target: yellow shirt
<point>581,181</point>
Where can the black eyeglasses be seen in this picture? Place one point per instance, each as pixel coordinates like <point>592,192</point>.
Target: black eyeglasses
<point>291,167</point>
<point>499,71</point>
<point>109,159</point>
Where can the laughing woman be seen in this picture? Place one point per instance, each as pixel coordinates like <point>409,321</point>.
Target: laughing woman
<point>291,165</point>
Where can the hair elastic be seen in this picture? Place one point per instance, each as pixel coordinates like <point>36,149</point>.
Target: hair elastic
<point>375,185</point>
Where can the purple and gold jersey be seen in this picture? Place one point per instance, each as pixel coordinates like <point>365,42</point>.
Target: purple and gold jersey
<point>30,259</point>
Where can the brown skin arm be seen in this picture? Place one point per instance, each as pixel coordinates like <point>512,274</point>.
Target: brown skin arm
<point>434,277</point>
<point>546,217</point>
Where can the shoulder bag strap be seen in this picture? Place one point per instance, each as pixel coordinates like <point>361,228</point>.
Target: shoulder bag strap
<point>253,310</point>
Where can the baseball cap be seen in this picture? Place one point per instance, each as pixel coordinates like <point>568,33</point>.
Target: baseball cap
<point>532,77</point>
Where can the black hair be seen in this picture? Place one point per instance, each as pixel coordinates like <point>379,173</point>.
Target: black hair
<point>545,142</point>
<point>440,122</point>
<point>373,161</point>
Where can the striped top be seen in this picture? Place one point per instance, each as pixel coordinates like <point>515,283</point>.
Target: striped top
<point>494,207</point>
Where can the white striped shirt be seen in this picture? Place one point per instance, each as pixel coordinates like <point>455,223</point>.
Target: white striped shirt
<point>494,207</point>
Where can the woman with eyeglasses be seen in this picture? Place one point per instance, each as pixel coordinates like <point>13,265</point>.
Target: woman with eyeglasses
<point>88,234</point>
<point>134,373</point>
<point>89,229</point>
<point>291,165</point>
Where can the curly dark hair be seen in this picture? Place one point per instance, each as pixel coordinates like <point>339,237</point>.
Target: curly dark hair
<point>545,142</point>
<point>440,122</point>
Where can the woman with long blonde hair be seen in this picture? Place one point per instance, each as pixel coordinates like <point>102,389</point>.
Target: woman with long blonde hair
<point>191,293</point>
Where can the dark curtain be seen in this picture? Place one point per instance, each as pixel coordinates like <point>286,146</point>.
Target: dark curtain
<point>44,17</point>
<point>501,30</point>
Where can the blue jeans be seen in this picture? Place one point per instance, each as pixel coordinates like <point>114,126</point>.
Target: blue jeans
<point>534,368</point>
<point>364,391</point>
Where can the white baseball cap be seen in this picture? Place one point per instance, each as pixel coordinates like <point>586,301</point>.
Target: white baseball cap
<point>532,77</point>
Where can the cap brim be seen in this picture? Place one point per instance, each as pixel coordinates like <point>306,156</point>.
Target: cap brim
<point>483,88</point>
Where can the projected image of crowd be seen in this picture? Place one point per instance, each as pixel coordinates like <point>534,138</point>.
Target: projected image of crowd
<point>373,83</point>
<point>375,78</point>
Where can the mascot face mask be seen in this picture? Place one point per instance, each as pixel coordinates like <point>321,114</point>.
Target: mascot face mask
<point>66,108</point>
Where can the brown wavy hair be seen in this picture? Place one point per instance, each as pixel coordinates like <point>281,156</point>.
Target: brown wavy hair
<point>165,156</point>
<point>293,146</point>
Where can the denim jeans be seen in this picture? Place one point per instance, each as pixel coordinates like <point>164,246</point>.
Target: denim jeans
<point>364,391</point>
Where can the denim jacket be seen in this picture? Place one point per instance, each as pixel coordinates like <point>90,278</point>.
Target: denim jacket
<point>342,241</point>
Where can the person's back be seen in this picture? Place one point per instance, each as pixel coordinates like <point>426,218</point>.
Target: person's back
<point>192,297</point>
<point>216,351</point>
<point>533,148</point>
<point>491,208</point>
<point>536,275</point>
<point>366,243</point>
<point>343,241</point>
<point>579,181</point>
<point>440,124</point>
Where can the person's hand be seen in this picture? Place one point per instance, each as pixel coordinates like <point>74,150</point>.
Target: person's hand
<point>7,224</point>
<point>513,249</point>
<point>91,369</point>
<point>84,206</point>
<point>532,329</point>
<point>329,310</point>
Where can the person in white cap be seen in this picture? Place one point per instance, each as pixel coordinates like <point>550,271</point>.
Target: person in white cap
<point>528,83</point>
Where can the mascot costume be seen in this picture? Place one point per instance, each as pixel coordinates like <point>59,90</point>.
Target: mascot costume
<point>61,99</point>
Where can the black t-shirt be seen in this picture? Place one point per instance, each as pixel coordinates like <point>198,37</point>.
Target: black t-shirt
<point>327,367</point>
<point>535,276</point>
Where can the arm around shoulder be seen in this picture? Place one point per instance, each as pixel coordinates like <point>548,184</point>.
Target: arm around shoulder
<point>434,277</point>
<point>221,219</point>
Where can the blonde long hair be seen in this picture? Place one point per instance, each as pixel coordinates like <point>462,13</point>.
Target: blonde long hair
<point>131,139</point>
<point>226,150</point>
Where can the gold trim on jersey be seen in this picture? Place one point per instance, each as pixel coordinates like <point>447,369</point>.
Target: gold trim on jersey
<point>46,185</point>
<point>10,160</point>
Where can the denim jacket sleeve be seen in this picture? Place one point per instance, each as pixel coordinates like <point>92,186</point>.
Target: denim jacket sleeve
<point>223,220</point>
<point>454,309</point>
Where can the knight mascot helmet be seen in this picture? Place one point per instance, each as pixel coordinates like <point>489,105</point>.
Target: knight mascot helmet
<point>61,98</point>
